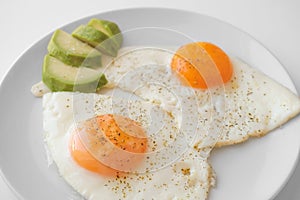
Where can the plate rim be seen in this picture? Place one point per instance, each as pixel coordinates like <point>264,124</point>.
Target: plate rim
<point>13,67</point>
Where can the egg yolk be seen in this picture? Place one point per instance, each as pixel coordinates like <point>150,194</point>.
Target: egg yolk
<point>202,65</point>
<point>117,140</point>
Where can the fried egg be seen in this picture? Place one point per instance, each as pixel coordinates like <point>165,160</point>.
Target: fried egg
<point>80,128</point>
<point>248,104</point>
<point>158,146</point>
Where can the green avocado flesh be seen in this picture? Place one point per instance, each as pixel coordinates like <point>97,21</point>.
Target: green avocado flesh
<point>72,51</point>
<point>97,39</point>
<point>59,76</point>
<point>109,28</point>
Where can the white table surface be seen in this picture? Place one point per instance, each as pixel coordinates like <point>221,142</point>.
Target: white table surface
<point>275,23</point>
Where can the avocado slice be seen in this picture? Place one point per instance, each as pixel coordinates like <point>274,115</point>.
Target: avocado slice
<point>109,28</point>
<point>97,39</point>
<point>59,76</point>
<point>72,51</point>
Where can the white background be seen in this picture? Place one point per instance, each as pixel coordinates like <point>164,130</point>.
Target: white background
<point>274,23</point>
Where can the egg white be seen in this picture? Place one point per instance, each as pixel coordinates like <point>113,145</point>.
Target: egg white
<point>250,104</point>
<point>188,177</point>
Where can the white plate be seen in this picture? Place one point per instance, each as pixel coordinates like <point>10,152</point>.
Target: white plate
<point>256,169</point>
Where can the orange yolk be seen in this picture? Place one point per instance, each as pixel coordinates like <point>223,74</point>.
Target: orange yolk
<point>115,137</point>
<point>202,65</point>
